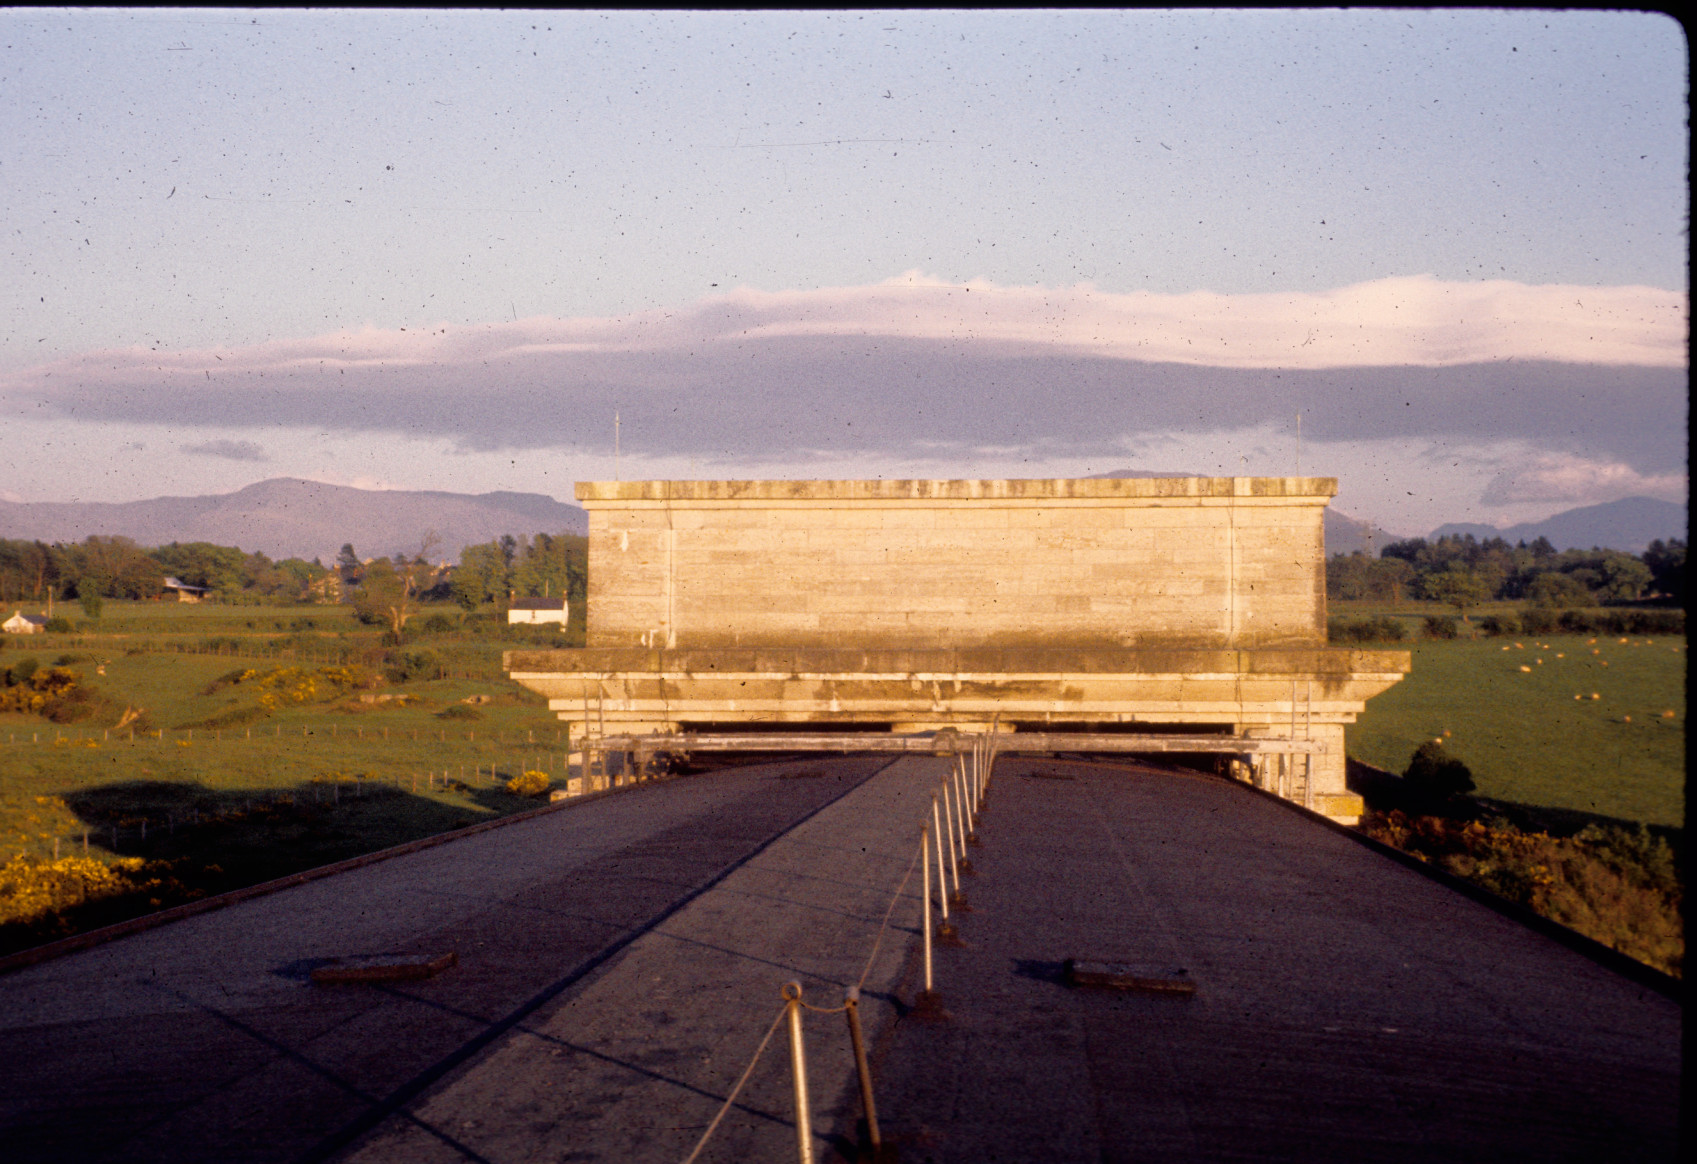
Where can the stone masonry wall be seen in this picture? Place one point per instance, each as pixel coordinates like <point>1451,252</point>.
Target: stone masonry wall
<point>1176,562</point>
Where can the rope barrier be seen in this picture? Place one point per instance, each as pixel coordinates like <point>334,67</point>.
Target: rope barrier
<point>888,913</point>
<point>735,1091</point>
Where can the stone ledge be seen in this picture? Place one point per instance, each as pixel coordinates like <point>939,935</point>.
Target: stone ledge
<point>1295,662</point>
<point>1036,489</point>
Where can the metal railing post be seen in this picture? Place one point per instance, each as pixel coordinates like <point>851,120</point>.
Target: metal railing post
<point>954,865</point>
<point>937,831</point>
<point>798,1073</point>
<point>925,924</point>
<point>851,1007</point>
<point>966,830</point>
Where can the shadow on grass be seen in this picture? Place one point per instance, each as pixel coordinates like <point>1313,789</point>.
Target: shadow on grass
<point>1385,792</point>
<point>193,841</point>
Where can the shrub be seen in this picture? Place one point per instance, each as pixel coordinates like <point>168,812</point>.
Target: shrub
<point>57,625</point>
<point>1434,775</point>
<point>1388,629</point>
<point>1438,626</point>
<point>1383,628</point>
<point>531,783</point>
<point>1577,622</point>
<point>1537,620</point>
<point>1656,622</point>
<point>459,711</point>
<point>53,693</point>
<point>438,624</point>
<point>407,666</point>
<point>33,889</point>
<point>1618,886</point>
<point>1498,625</point>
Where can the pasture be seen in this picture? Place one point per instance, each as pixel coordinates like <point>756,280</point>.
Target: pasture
<point>255,742</point>
<point>1594,723</point>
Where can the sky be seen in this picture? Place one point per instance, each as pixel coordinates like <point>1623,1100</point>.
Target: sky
<point>1441,256</point>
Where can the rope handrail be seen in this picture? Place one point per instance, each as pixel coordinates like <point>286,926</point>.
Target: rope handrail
<point>888,913</point>
<point>737,1090</point>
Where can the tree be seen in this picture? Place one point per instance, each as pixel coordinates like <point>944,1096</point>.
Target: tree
<point>348,563</point>
<point>481,576</point>
<point>1433,774</point>
<point>1456,586</point>
<point>89,595</point>
<point>1554,590</point>
<point>1666,561</point>
<point>389,591</point>
<point>382,597</point>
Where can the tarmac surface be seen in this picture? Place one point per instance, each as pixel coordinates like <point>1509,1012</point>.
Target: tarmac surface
<point>1346,1008</point>
<point>621,959</point>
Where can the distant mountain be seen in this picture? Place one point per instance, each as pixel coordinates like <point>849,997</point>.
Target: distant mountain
<point>1347,535</point>
<point>1630,524</point>
<point>287,517</point>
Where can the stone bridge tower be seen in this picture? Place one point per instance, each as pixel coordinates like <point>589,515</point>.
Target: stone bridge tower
<point>1149,614</point>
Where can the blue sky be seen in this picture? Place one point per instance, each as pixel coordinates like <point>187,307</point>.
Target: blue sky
<point>190,192</point>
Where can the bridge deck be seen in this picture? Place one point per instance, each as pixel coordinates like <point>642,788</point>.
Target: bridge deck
<point>620,959</point>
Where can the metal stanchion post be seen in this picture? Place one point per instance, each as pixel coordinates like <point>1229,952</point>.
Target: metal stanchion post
<point>937,831</point>
<point>964,823</point>
<point>949,822</point>
<point>851,1007</point>
<point>798,1073</point>
<point>925,898</point>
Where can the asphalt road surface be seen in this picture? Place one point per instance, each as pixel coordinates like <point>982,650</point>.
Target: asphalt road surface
<point>621,960</point>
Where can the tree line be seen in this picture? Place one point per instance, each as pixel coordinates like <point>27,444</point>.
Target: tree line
<point>1461,570</point>
<point>109,566</point>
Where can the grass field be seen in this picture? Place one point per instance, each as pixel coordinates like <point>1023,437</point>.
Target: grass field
<point>1508,709</point>
<point>227,780</point>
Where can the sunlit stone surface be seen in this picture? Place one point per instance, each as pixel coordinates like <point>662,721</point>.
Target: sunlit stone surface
<point>1193,605</point>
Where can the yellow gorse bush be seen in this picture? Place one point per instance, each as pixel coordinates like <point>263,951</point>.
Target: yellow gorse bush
<point>281,686</point>
<point>32,888</point>
<point>531,783</point>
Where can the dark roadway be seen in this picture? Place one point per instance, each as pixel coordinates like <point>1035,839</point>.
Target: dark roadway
<point>621,958</point>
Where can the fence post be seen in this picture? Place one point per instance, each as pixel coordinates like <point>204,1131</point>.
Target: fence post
<point>798,1073</point>
<point>851,1007</point>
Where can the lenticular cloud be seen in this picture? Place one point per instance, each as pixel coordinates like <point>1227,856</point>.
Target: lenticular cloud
<point>1408,322</point>
<point>916,363</point>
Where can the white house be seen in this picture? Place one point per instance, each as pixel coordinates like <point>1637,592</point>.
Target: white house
<point>537,610</point>
<point>24,624</point>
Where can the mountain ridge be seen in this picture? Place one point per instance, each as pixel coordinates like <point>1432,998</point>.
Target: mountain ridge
<point>285,517</point>
<point>295,517</point>
<point>1629,524</point>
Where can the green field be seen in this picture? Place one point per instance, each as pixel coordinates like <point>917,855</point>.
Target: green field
<point>199,743</point>
<point>1508,709</point>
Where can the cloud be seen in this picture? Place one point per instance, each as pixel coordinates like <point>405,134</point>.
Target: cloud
<point>1416,321</point>
<point>914,364</point>
<point>1552,479</point>
<point>228,450</point>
